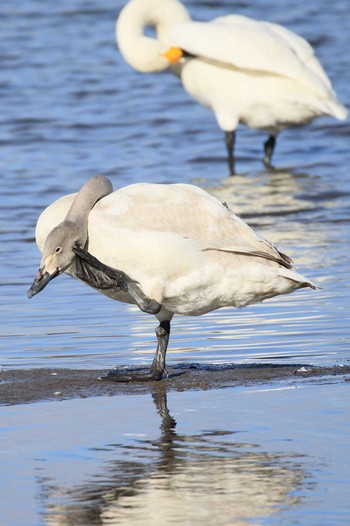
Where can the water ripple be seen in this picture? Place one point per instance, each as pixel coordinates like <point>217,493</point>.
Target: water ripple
<point>73,108</point>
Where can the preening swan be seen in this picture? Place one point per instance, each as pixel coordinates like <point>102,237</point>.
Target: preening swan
<point>246,71</point>
<point>171,249</point>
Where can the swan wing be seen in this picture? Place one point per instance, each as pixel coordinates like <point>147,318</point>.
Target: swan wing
<point>239,42</point>
<point>187,212</point>
<point>304,52</point>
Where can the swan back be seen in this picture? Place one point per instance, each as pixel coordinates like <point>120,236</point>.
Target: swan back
<point>179,210</point>
<point>254,46</point>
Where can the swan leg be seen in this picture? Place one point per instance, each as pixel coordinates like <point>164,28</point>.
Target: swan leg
<point>230,138</point>
<point>269,147</point>
<point>100,276</point>
<point>158,365</point>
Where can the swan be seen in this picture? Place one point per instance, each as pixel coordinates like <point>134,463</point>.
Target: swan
<point>246,71</point>
<point>169,248</point>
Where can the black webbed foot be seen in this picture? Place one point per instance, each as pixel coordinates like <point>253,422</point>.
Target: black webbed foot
<point>102,277</point>
<point>150,376</point>
<point>158,365</point>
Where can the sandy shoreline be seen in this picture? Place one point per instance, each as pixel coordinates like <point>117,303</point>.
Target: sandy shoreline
<point>36,385</point>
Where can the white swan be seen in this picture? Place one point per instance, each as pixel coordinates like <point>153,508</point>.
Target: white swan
<point>246,71</point>
<point>182,252</point>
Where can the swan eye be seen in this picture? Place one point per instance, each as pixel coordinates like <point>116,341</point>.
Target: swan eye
<point>58,250</point>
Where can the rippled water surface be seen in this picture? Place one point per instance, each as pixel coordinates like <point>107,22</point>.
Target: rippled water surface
<point>274,455</point>
<point>72,108</point>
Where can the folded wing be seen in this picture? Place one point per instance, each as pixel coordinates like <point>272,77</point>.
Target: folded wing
<point>240,42</point>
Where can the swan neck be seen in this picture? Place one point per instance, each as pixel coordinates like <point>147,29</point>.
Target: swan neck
<point>90,193</point>
<point>144,53</point>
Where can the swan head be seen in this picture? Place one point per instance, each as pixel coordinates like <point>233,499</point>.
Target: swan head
<point>58,254</point>
<point>62,227</point>
<point>143,53</point>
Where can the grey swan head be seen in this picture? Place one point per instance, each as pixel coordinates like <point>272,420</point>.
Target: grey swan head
<point>58,253</point>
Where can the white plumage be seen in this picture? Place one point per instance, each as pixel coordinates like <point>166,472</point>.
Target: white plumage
<point>246,71</point>
<point>186,249</point>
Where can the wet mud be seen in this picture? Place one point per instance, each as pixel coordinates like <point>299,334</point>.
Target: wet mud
<point>37,385</point>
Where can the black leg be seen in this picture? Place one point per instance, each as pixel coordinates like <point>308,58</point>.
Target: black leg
<point>230,138</point>
<point>158,365</point>
<point>269,147</point>
<point>163,333</point>
<point>102,277</point>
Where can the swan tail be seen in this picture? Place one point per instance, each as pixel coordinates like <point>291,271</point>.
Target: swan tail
<point>297,278</point>
<point>337,110</point>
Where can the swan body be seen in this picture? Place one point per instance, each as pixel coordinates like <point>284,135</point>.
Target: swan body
<point>246,71</point>
<point>184,248</point>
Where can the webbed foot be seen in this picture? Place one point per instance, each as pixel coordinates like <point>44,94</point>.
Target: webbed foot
<point>100,276</point>
<point>151,376</point>
<point>158,365</point>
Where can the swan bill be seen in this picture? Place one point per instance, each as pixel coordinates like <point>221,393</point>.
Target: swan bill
<point>173,54</point>
<point>40,282</point>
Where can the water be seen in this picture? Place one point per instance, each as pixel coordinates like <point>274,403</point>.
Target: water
<point>72,108</point>
<point>249,462</point>
<point>268,455</point>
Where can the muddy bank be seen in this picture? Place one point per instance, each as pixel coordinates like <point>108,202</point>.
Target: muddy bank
<point>35,385</point>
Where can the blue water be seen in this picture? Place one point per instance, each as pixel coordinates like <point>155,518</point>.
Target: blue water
<point>72,108</point>
<point>263,455</point>
<point>248,456</point>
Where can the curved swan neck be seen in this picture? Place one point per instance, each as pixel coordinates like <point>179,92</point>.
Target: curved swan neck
<point>141,52</point>
<point>91,192</point>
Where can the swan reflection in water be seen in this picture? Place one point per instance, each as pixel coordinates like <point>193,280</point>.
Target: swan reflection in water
<point>263,196</point>
<point>207,478</point>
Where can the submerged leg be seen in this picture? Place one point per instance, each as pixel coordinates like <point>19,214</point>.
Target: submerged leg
<point>100,276</point>
<point>269,146</point>
<point>158,365</point>
<point>230,138</point>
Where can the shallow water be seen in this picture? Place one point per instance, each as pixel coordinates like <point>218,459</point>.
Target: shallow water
<point>267,457</point>
<point>270,454</point>
<point>73,108</point>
